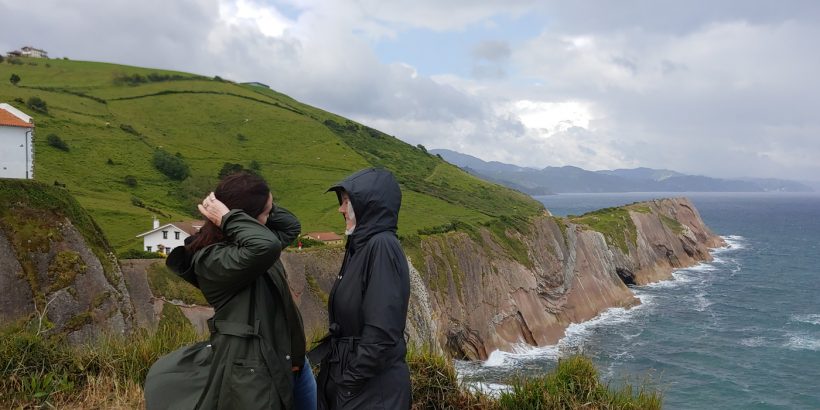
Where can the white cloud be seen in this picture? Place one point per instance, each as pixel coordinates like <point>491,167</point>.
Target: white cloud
<point>551,117</point>
<point>729,92</point>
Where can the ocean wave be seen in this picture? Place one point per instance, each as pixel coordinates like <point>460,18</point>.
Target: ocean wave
<point>521,351</point>
<point>701,303</point>
<point>574,338</point>
<point>757,341</point>
<point>802,342</point>
<point>733,242</point>
<point>812,318</point>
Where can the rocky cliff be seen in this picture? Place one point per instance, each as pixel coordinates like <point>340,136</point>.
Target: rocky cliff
<point>480,290</point>
<point>474,290</point>
<point>56,267</point>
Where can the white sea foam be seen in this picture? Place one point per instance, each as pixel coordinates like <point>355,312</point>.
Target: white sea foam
<point>812,318</point>
<point>492,389</point>
<point>573,340</point>
<point>756,341</point>
<point>733,242</point>
<point>701,303</point>
<point>803,342</point>
<point>521,351</point>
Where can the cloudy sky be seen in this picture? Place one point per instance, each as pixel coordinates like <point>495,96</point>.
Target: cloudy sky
<point>723,89</point>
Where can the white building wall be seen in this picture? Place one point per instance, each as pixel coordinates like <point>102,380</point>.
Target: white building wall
<point>13,152</point>
<point>153,240</point>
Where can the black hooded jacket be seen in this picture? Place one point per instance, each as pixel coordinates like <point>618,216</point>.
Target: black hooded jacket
<point>365,366</point>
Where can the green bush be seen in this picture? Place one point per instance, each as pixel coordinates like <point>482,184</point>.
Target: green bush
<point>139,254</point>
<point>130,180</point>
<point>306,242</point>
<point>229,168</point>
<point>129,129</point>
<point>55,141</point>
<point>39,371</point>
<point>173,166</point>
<point>37,104</point>
<point>435,385</point>
<point>42,371</point>
<point>573,384</point>
<point>14,79</point>
<point>136,201</point>
<point>168,285</point>
<point>254,166</point>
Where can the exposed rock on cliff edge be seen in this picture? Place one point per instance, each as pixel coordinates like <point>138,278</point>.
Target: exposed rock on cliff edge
<point>475,292</point>
<point>56,265</point>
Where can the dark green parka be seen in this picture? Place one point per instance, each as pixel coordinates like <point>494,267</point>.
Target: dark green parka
<point>256,331</point>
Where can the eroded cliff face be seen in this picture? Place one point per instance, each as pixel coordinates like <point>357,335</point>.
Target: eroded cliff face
<point>51,272</point>
<point>61,280</point>
<point>472,294</point>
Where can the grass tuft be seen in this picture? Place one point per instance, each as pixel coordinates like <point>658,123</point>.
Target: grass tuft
<point>168,285</point>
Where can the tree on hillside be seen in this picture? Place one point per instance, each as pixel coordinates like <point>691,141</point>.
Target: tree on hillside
<point>230,168</point>
<point>173,166</point>
<point>14,79</point>
<point>55,141</point>
<point>255,166</point>
<point>37,104</point>
<point>2,58</point>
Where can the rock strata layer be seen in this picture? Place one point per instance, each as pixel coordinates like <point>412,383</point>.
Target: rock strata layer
<point>470,296</point>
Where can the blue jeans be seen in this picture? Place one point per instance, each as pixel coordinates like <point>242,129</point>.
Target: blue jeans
<point>304,388</point>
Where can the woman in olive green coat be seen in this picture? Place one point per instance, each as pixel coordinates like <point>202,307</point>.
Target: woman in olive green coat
<point>257,340</point>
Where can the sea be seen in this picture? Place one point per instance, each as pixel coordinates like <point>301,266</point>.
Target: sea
<point>739,332</point>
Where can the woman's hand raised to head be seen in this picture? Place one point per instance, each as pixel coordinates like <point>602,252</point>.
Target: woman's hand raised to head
<point>213,209</point>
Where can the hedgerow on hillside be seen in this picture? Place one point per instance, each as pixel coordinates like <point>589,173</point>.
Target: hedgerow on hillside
<point>120,120</point>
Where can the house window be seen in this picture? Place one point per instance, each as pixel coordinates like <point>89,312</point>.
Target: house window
<point>164,234</point>
<point>148,248</point>
<point>176,235</point>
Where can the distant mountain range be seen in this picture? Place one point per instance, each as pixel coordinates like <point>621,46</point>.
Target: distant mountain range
<point>570,179</point>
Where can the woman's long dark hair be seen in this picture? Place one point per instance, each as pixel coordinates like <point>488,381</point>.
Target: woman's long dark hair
<point>242,190</point>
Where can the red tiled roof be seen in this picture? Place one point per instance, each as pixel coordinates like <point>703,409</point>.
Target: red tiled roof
<point>189,227</point>
<point>10,120</point>
<point>324,236</point>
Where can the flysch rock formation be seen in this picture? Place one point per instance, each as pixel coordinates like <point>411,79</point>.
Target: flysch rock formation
<point>470,297</point>
<point>61,281</point>
<point>469,294</point>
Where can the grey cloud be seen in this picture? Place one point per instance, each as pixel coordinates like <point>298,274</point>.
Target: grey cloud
<point>492,50</point>
<point>672,16</point>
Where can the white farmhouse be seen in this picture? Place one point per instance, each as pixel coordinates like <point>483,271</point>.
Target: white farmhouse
<point>16,143</point>
<point>164,238</point>
<point>29,51</point>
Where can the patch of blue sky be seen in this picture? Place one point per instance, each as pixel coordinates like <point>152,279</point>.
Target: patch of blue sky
<point>450,52</point>
<point>287,9</point>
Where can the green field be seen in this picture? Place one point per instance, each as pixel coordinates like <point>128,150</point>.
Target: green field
<point>113,124</point>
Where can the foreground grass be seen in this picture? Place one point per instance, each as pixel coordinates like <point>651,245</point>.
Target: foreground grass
<point>43,372</point>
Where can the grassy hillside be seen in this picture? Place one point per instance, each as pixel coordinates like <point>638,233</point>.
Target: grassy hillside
<point>114,118</point>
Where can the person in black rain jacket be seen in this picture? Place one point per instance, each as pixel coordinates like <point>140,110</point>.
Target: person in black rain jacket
<point>363,358</point>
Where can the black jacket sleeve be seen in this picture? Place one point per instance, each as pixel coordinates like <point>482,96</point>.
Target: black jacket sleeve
<point>284,225</point>
<point>384,310</point>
